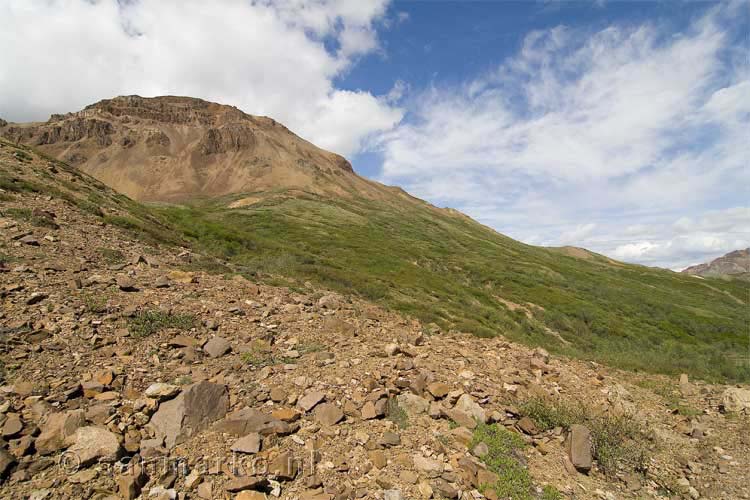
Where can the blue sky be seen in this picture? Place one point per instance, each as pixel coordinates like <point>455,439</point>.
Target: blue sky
<point>617,126</point>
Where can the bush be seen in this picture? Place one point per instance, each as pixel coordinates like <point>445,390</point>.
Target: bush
<point>505,460</point>
<point>618,441</point>
<point>147,323</point>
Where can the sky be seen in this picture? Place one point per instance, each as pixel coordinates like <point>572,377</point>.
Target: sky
<point>621,127</point>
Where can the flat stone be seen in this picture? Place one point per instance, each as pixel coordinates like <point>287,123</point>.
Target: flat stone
<point>126,283</point>
<point>248,444</point>
<point>162,391</point>
<point>527,426</point>
<point>13,425</point>
<point>328,414</point>
<point>284,467</point>
<point>461,418</point>
<point>245,483</point>
<point>309,400</point>
<point>390,439</point>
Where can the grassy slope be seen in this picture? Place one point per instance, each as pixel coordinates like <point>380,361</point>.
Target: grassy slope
<point>449,270</point>
<point>439,267</point>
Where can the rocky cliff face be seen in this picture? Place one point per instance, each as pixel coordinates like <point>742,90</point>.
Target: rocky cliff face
<point>175,148</point>
<point>735,263</point>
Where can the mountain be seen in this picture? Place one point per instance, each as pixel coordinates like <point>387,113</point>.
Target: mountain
<point>735,264</point>
<point>123,352</point>
<point>181,148</point>
<point>339,232</point>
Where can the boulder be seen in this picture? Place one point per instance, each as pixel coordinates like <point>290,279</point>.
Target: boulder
<point>194,409</point>
<point>7,461</point>
<point>438,389</point>
<point>412,404</point>
<point>309,400</point>
<point>95,444</point>
<point>161,391</point>
<point>466,404</point>
<point>217,347</point>
<point>736,400</point>
<point>248,444</point>
<point>428,467</point>
<point>57,431</point>
<point>579,447</point>
<point>328,414</point>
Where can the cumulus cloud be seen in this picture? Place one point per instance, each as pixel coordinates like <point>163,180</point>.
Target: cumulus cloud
<point>597,139</point>
<point>272,57</point>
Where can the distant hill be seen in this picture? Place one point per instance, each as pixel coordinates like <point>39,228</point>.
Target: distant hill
<point>735,264</point>
<point>248,192</point>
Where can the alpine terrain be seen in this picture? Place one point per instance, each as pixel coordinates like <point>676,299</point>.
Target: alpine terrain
<point>197,303</point>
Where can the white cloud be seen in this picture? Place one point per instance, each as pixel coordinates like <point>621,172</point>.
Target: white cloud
<point>272,57</point>
<point>594,139</point>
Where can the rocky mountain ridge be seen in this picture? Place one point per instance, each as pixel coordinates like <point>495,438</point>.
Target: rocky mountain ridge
<point>178,148</point>
<point>736,263</point>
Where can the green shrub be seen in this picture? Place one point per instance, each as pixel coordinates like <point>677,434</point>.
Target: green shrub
<point>146,323</point>
<point>505,460</point>
<point>396,414</point>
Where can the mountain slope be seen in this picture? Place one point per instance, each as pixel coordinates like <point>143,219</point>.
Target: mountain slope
<point>355,236</point>
<point>456,273</point>
<point>735,264</point>
<point>117,364</point>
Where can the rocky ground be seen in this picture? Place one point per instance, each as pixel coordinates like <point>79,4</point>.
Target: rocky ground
<point>125,374</point>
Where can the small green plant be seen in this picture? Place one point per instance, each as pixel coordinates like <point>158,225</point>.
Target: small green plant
<point>183,380</point>
<point>549,492</point>
<point>22,156</point>
<point>258,355</point>
<point>111,256</point>
<point>308,347</point>
<point>147,323</point>
<point>95,304</point>
<point>505,460</point>
<point>396,414</point>
<point>27,215</point>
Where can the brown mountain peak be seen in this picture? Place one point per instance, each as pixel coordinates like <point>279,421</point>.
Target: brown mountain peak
<point>171,148</point>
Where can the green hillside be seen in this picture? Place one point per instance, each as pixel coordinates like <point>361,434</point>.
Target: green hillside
<point>446,269</point>
<point>436,265</point>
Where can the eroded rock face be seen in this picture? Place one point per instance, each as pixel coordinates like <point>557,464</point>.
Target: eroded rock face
<point>194,409</point>
<point>210,149</point>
